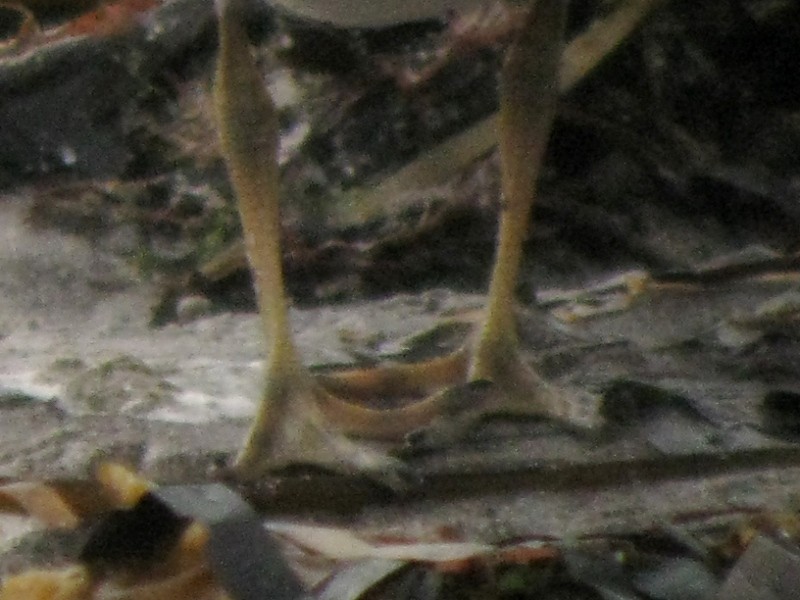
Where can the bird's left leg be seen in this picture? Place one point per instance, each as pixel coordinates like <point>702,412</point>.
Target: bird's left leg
<point>528,97</point>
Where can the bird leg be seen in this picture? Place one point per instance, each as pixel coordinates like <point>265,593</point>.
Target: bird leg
<point>307,419</point>
<point>528,97</point>
<point>289,426</point>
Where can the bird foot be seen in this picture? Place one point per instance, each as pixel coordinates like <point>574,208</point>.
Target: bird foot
<point>450,396</point>
<point>290,429</point>
<point>504,388</point>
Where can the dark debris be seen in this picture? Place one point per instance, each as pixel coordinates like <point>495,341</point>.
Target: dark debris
<point>679,562</point>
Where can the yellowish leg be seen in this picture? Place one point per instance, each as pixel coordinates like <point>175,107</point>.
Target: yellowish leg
<point>528,97</point>
<point>289,426</point>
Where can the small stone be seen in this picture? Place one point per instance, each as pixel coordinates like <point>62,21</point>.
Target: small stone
<point>191,308</point>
